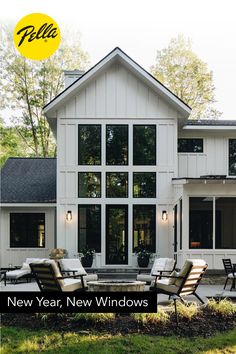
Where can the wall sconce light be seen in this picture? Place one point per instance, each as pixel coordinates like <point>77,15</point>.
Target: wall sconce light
<point>164,215</point>
<point>69,215</point>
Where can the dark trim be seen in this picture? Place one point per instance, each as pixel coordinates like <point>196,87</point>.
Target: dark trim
<point>145,125</point>
<point>127,173</point>
<point>86,125</point>
<point>125,207</point>
<point>100,184</point>
<point>155,229</point>
<point>155,192</point>
<point>78,236</point>
<point>118,125</point>
<point>93,67</point>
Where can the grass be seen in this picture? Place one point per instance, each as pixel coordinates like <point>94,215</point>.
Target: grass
<point>93,317</point>
<point>20,341</point>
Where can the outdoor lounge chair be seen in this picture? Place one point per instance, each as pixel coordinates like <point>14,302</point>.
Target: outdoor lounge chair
<point>183,284</point>
<point>49,278</point>
<point>74,266</point>
<point>24,271</point>
<point>230,271</point>
<point>161,266</point>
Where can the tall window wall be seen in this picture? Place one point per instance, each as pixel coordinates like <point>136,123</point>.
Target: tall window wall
<point>117,164</point>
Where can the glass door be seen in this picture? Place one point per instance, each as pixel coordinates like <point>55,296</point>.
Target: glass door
<point>117,234</point>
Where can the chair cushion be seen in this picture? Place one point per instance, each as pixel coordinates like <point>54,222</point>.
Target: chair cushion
<point>56,271</point>
<point>231,275</point>
<point>163,264</point>
<point>91,277</point>
<point>72,264</point>
<point>172,281</point>
<point>145,277</point>
<point>163,284</point>
<point>186,267</point>
<point>16,274</point>
<point>25,266</point>
<point>35,260</point>
<point>72,285</point>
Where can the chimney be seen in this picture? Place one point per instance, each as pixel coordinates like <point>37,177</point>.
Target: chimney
<point>71,76</point>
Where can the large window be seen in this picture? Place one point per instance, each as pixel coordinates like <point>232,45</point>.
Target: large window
<point>144,227</point>
<point>89,144</point>
<point>190,145</point>
<point>117,144</point>
<point>144,185</point>
<point>27,230</point>
<point>144,145</point>
<point>89,184</point>
<point>201,222</point>
<point>225,221</point>
<point>89,227</point>
<point>232,157</point>
<point>117,185</point>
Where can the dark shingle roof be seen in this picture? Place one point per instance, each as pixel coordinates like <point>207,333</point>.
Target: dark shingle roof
<point>28,180</point>
<point>212,122</point>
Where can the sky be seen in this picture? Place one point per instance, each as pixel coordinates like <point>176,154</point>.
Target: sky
<point>140,28</point>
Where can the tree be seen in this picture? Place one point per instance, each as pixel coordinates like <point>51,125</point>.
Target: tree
<point>187,76</point>
<point>11,143</point>
<point>27,86</point>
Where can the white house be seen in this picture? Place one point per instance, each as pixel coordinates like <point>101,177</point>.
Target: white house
<point>131,170</point>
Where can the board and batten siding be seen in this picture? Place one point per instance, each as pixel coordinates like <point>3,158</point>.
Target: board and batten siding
<point>115,96</point>
<point>213,160</point>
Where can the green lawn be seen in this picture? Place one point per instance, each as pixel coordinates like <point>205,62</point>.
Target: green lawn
<point>14,340</point>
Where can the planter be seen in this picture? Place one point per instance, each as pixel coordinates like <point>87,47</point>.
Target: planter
<point>87,261</point>
<point>143,262</point>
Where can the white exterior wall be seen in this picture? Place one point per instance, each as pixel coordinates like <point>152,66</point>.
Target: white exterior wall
<point>116,96</point>
<point>213,160</point>
<point>17,256</point>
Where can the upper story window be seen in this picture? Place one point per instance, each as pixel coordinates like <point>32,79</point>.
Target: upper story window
<point>190,145</point>
<point>117,144</point>
<point>117,185</point>
<point>144,185</point>
<point>89,184</point>
<point>89,145</point>
<point>27,230</point>
<point>144,145</point>
<point>232,157</point>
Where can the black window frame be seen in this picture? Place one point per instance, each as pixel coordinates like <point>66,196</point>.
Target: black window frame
<point>29,233</point>
<point>155,154</point>
<point>100,142</point>
<point>98,250</point>
<point>155,226</point>
<point>189,149</point>
<point>127,187</point>
<point>118,125</point>
<point>231,157</point>
<point>94,172</point>
<point>145,173</point>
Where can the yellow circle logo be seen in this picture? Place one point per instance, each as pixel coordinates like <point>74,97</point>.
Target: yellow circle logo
<point>37,36</point>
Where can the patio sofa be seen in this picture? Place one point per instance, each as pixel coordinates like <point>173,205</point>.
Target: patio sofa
<point>24,271</point>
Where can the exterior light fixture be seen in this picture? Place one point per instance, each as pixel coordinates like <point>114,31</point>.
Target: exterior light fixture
<point>164,215</point>
<point>69,215</point>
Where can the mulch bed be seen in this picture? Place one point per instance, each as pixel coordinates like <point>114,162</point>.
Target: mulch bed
<point>205,324</point>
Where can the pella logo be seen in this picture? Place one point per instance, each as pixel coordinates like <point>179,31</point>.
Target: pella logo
<point>37,36</point>
<point>45,31</point>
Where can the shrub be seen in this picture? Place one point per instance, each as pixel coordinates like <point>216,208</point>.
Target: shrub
<point>93,317</point>
<point>151,318</point>
<point>223,307</point>
<point>188,310</point>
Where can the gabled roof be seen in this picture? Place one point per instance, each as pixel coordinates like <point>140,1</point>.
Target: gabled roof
<point>118,54</point>
<point>28,180</point>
